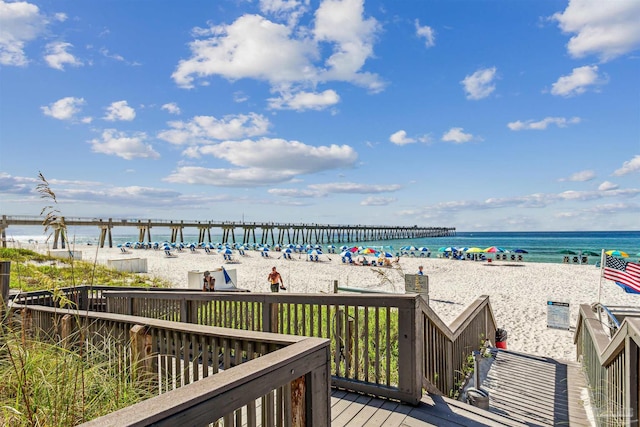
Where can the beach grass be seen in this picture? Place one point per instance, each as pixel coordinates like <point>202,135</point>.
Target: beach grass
<point>32,271</point>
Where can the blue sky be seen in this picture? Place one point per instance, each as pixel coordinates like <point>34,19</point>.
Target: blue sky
<point>480,115</point>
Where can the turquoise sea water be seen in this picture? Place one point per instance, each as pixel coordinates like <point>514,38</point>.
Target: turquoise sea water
<point>541,246</point>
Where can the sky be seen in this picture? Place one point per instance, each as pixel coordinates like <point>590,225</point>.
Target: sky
<point>495,115</point>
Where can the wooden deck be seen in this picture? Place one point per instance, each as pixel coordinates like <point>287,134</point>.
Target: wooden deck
<point>356,410</point>
<point>535,390</point>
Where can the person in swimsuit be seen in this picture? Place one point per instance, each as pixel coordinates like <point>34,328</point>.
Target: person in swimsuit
<point>275,279</point>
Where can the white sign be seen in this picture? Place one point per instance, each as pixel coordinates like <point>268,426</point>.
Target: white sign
<point>558,315</point>
<point>417,283</point>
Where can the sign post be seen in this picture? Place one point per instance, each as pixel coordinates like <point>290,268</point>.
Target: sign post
<point>417,283</point>
<point>558,315</point>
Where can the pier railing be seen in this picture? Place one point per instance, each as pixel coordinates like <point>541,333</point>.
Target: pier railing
<point>267,232</point>
<point>611,364</point>
<point>202,373</point>
<point>391,346</point>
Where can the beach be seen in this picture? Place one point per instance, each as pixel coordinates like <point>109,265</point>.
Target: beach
<point>518,291</point>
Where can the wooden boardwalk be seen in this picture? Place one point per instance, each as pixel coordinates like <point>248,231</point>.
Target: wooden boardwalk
<point>538,391</point>
<point>356,410</point>
<point>524,390</point>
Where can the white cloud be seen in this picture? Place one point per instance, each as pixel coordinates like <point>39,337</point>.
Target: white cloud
<point>354,188</point>
<point>480,84</point>
<point>304,101</point>
<point>628,167</point>
<point>537,200</point>
<point>294,193</point>
<point>561,122</point>
<point>248,177</point>
<point>288,10</point>
<point>105,52</point>
<point>341,22</point>
<point>577,82</point>
<point>285,55</point>
<point>20,23</point>
<point>377,201</point>
<point>172,108</point>
<point>400,138</point>
<point>457,136</point>
<point>64,109</point>
<point>427,33</point>
<point>128,147</point>
<point>204,129</point>
<point>263,162</point>
<point>607,186</point>
<point>120,110</point>
<point>582,176</point>
<point>57,56</point>
<point>282,155</point>
<point>604,28</point>
<point>251,47</point>
<point>60,17</point>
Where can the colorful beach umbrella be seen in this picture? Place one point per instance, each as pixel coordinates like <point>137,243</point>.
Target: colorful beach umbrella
<point>474,250</point>
<point>617,253</point>
<point>368,251</point>
<point>493,250</point>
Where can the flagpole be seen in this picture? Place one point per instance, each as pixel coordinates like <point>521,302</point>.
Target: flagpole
<point>602,260</point>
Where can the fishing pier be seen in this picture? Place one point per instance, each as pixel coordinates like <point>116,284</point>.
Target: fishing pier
<point>252,232</point>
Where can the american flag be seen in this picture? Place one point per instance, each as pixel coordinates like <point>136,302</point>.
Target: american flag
<point>625,274</point>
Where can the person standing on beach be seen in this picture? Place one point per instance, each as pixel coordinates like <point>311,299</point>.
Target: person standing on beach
<point>275,279</point>
<point>208,283</point>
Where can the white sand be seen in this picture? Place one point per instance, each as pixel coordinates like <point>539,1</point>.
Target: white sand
<point>518,291</point>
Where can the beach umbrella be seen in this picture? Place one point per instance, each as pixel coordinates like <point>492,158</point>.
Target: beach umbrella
<point>474,250</point>
<point>264,249</point>
<point>315,252</point>
<point>520,251</point>
<point>567,252</point>
<point>590,253</point>
<point>368,251</point>
<point>385,255</point>
<point>345,254</point>
<point>344,248</point>
<point>423,249</point>
<point>617,253</point>
<point>288,250</point>
<point>353,249</point>
<point>493,250</point>
<point>448,249</point>
<point>226,251</point>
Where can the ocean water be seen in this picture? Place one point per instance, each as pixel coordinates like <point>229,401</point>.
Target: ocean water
<point>541,246</point>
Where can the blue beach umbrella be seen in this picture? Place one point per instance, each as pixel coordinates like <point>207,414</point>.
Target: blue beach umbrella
<point>519,251</point>
<point>345,254</point>
<point>226,251</point>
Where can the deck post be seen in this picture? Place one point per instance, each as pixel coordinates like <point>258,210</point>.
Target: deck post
<point>142,360</point>
<point>631,361</point>
<point>66,330</point>
<point>318,394</point>
<point>270,317</point>
<point>5,277</point>
<point>409,353</point>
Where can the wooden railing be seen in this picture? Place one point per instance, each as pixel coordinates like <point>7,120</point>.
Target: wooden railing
<point>369,354</point>
<point>283,380</point>
<point>389,346</point>
<point>612,367</point>
<point>447,348</point>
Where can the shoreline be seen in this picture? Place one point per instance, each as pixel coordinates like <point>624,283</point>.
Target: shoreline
<point>518,291</point>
